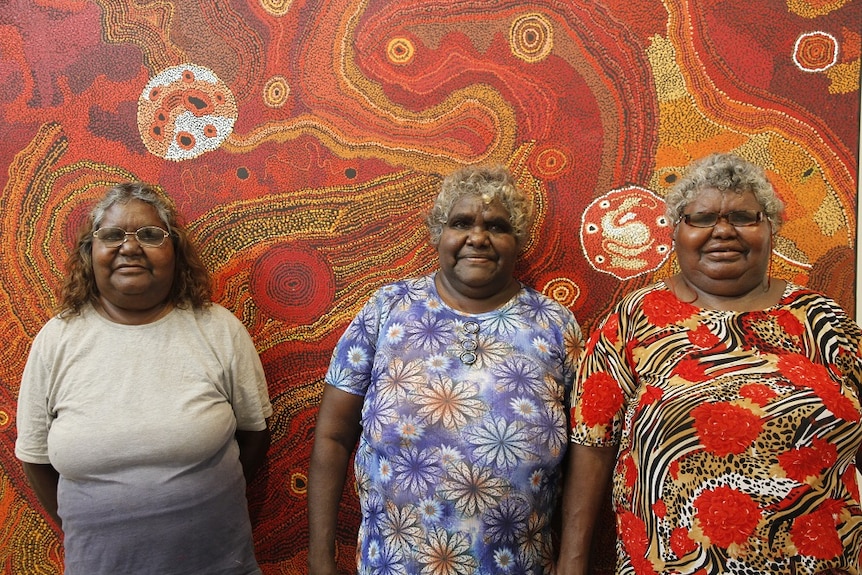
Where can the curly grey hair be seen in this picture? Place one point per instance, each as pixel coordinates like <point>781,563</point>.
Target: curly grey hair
<point>727,173</point>
<point>490,183</point>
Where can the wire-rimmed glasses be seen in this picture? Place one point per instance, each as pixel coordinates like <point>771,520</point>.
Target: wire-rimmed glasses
<point>736,218</point>
<point>148,236</point>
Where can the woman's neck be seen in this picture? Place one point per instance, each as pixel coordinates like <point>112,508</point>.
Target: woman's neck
<point>765,295</point>
<point>467,304</point>
<point>132,316</point>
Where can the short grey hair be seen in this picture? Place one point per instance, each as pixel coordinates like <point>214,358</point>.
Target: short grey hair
<point>727,173</point>
<point>490,183</point>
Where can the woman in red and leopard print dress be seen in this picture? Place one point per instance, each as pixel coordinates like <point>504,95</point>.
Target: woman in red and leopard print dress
<point>726,401</point>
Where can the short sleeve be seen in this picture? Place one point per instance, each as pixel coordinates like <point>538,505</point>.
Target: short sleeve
<point>573,345</point>
<point>838,339</point>
<point>603,382</point>
<point>33,416</point>
<point>250,396</point>
<point>352,359</point>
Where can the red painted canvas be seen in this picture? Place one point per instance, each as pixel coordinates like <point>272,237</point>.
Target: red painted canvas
<point>303,139</point>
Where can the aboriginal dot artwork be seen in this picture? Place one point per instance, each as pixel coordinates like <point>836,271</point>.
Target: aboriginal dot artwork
<point>303,143</point>
<point>186,111</point>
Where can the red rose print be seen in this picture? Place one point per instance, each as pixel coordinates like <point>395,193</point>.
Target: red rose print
<point>801,463</point>
<point>632,532</point>
<point>815,535</point>
<point>659,508</point>
<point>662,308</point>
<point>592,341</point>
<point>600,400</point>
<point>838,404</point>
<point>690,370</point>
<point>629,469</point>
<point>610,329</point>
<point>651,394</point>
<point>757,392</point>
<point>643,566</point>
<point>702,337</point>
<point>726,516</point>
<point>674,469</point>
<point>804,373</point>
<point>789,323</point>
<point>725,428</point>
<point>680,543</point>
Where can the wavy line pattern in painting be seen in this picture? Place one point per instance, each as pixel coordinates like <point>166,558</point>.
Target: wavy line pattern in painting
<point>304,139</point>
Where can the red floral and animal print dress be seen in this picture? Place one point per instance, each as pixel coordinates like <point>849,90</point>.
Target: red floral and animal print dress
<point>737,433</point>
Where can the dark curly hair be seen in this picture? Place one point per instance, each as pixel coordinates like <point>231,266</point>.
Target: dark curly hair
<point>191,286</point>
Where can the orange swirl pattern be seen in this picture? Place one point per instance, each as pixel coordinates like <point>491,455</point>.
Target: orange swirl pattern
<point>313,136</point>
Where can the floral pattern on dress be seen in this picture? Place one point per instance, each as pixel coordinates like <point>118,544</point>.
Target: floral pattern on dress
<point>458,465</point>
<point>736,433</point>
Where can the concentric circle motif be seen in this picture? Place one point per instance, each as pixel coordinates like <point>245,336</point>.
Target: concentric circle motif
<point>292,283</point>
<point>549,162</point>
<point>275,92</point>
<point>815,52</point>
<point>531,37</point>
<point>276,7</point>
<point>299,483</point>
<point>400,51</point>
<point>625,232</point>
<point>562,290</point>
<point>184,112</point>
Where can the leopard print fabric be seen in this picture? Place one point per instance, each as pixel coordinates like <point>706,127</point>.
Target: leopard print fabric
<point>736,434</point>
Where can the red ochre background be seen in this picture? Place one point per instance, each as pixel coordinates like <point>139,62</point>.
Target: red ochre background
<point>303,139</point>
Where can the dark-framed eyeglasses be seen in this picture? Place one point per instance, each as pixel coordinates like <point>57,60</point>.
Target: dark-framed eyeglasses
<point>737,218</point>
<point>148,236</point>
<point>469,343</point>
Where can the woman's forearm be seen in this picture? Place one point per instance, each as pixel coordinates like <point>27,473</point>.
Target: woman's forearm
<point>44,479</point>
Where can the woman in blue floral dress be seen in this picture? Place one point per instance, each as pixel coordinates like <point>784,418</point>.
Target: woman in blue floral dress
<point>455,387</point>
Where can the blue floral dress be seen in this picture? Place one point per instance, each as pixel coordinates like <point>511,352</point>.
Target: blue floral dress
<point>464,427</point>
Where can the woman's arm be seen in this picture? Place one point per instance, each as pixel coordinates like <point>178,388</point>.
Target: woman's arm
<point>335,436</point>
<point>43,479</point>
<point>588,475</point>
<point>253,446</point>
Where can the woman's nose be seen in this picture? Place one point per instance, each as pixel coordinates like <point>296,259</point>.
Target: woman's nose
<point>130,245</point>
<point>477,235</point>
<point>723,228</point>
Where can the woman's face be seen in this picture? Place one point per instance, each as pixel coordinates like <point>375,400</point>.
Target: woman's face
<point>723,260</point>
<point>132,276</point>
<point>477,249</point>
